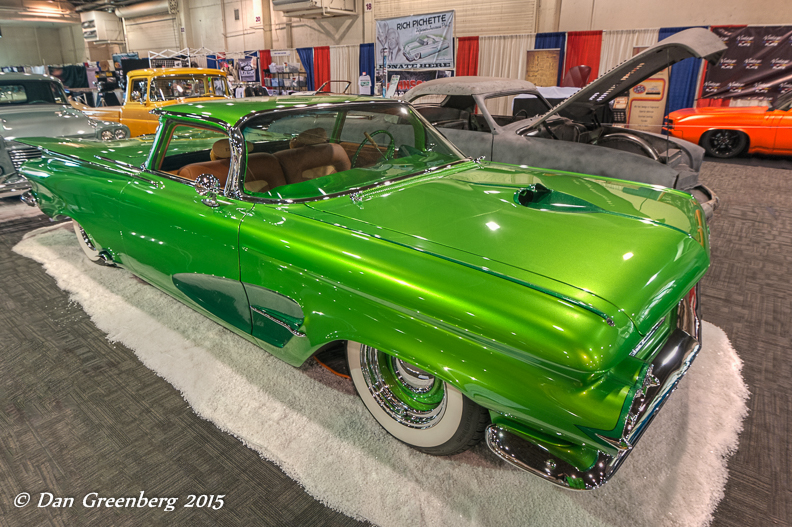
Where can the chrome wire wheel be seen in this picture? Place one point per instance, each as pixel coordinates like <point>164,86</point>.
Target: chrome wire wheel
<point>409,395</point>
<point>86,244</point>
<point>414,406</point>
<point>724,143</point>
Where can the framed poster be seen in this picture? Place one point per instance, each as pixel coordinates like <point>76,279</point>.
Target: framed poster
<point>542,66</point>
<point>647,101</point>
<point>416,42</point>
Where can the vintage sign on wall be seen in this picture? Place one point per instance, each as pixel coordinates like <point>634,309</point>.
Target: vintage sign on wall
<point>542,66</point>
<point>757,63</point>
<point>416,42</point>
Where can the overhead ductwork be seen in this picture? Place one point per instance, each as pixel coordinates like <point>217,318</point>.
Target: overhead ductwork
<point>156,7</point>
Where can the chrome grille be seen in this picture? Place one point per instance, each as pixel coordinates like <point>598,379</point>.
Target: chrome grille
<point>20,155</point>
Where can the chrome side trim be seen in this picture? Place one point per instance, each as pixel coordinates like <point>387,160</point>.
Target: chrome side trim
<point>644,340</point>
<point>278,322</point>
<point>29,199</point>
<point>663,376</point>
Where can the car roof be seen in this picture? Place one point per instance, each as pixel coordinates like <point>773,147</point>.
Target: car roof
<point>231,111</point>
<point>12,76</point>
<point>162,72</point>
<point>468,86</point>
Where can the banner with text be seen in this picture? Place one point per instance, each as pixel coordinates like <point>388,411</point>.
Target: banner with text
<point>416,42</point>
<point>757,63</point>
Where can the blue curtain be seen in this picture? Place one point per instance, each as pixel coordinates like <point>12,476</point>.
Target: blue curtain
<point>552,41</point>
<point>367,63</point>
<point>682,85</point>
<point>306,57</point>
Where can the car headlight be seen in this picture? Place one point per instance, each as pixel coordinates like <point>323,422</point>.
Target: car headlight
<point>120,133</point>
<point>107,135</point>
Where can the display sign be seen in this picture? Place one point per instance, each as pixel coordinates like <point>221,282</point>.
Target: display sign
<point>542,66</point>
<point>247,69</point>
<point>647,101</point>
<point>416,42</point>
<point>411,78</point>
<point>757,63</point>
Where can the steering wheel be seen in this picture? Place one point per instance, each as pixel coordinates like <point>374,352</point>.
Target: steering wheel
<point>521,111</point>
<point>370,138</point>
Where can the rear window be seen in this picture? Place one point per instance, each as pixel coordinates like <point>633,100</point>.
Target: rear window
<point>31,92</point>
<point>14,93</point>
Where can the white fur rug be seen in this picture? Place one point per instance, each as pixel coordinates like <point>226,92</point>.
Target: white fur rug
<point>320,434</point>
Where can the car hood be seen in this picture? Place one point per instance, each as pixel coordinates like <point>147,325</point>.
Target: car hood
<point>611,245</point>
<point>51,120</point>
<point>743,110</point>
<point>695,42</point>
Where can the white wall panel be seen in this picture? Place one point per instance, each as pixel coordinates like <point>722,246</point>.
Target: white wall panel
<point>73,45</point>
<point>153,33</point>
<point>30,46</point>
<point>206,24</point>
<point>240,34</point>
<point>581,15</point>
<point>473,17</point>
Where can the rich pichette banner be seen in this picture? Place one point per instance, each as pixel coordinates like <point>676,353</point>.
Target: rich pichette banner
<point>757,63</point>
<point>416,42</point>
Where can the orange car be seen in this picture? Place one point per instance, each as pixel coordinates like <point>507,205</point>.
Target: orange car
<point>727,132</point>
<point>153,88</point>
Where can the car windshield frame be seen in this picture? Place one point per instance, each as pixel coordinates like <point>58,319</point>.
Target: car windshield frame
<point>235,184</point>
<point>207,80</point>
<point>783,103</point>
<point>54,87</point>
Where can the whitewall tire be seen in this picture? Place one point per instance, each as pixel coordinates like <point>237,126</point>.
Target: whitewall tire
<point>412,405</point>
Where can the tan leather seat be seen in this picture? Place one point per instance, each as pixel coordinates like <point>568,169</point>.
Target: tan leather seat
<point>218,169</point>
<point>310,162</point>
<point>264,173</point>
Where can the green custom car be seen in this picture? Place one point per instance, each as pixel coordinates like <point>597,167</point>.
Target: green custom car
<point>549,313</point>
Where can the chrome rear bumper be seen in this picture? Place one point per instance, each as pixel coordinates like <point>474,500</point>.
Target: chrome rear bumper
<point>665,372</point>
<point>13,185</point>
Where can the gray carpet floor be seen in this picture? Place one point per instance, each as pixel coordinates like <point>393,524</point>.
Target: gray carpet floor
<point>81,415</point>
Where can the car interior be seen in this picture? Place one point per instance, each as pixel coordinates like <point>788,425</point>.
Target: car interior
<point>300,150</point>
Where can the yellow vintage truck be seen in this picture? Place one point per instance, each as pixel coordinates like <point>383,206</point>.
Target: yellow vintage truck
<point>154,88</point>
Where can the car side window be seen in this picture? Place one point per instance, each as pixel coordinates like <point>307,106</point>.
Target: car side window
<point>318,151</point>
<point>138,90</point>
<point>193,151</point>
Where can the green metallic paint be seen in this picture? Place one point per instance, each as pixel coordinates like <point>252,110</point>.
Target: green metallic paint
<point>277,306</point>
<point>443,270</point>
<point>224,297</point>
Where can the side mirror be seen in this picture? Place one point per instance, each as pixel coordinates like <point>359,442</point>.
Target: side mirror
<point>209,186</point>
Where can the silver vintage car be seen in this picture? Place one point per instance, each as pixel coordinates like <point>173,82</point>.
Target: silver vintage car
<point>571,135</point>
<point>37,106</point>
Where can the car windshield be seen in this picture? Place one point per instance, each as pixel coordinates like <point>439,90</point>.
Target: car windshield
<point>506,109</point>
<point>187,86</point>
<point>325,150</point>
<point>31,92</point>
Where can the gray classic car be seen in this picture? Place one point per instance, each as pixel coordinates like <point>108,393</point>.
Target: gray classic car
<point>566,137</point>
<point>37,106</point>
